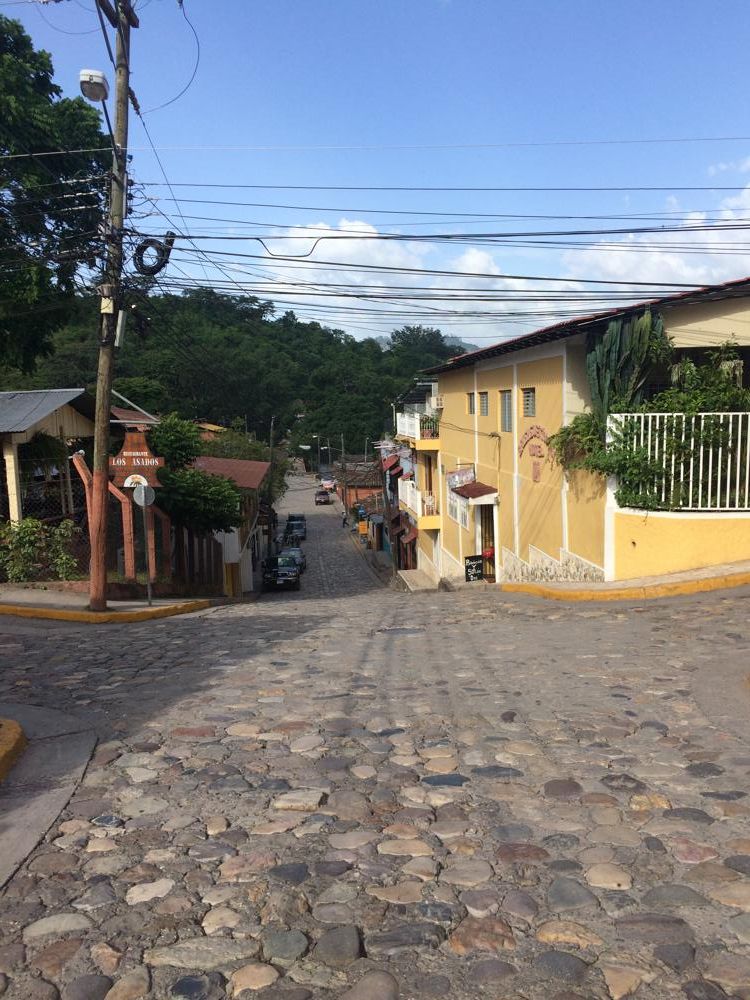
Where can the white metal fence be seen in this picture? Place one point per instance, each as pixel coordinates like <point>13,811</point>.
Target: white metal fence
<point>423,503</point>
<point>419,426</point>
<point>684,461</point>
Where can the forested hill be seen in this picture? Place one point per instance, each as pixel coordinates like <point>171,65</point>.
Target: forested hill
<point>219,358</point>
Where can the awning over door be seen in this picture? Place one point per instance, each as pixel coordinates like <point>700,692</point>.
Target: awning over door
<point>477,493</point>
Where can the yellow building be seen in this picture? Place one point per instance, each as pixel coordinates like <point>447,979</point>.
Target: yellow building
<point>485,485</point>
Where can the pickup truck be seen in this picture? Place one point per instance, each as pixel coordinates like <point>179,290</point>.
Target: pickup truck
<point>281,571</point>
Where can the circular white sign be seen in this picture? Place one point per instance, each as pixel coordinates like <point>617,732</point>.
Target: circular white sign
<point>136,480</point>
<point>144,496</point>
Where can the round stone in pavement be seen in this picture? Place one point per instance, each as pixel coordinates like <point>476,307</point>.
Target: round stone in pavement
<point>294,873</point>
<point>560,966</point>
<point>673,895</point>
<point>491,970</point>
<point>704,769</point>
<point>688,813</point>
<point>208,987</point>
<point>40,989</point>
<point>561,841</point>
<point>739,863</point>
<point>701,989</point>
<point>567,894</point>
<point>87,988</point>
<point>374,986</point>
<point>496,771</point>
<point>284,947</point>
<point>623,783</point>
<point>339,947</point>
<point>676,956</point>
<point>563,788</point>
<point>511,832</point>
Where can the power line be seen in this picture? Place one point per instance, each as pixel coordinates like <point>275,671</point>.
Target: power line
<point>195,68</point>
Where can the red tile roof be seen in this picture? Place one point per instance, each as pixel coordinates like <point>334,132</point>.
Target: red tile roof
<point>246,474</point>
<point>736,288</point>
<point>472,491</point>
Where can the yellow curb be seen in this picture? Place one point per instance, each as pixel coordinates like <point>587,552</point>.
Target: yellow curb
<point>12,743</point>
<point>103,617</point>
<point>645,592</point>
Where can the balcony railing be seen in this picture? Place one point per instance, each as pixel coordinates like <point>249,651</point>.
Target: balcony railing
<point>684,461</point>
<point>418,426</point>
<point>422,502</point>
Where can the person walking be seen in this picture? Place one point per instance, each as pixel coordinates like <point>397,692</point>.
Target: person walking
<point>344,518</point>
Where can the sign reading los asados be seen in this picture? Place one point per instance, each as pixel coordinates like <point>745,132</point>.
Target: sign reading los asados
<point>135,457</point>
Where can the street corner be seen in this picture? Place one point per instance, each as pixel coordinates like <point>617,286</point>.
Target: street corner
<point>12,744</point>
<point>123,615</point>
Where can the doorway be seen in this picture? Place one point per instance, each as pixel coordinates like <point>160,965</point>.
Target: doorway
<point>487,535</point>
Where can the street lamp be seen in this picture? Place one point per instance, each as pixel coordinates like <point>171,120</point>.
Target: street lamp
<point>317,438</point>
<point>94,85</point>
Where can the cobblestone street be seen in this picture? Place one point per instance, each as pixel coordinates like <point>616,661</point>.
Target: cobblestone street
<point>355,792</point>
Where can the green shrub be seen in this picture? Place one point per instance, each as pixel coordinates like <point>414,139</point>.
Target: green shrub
<point>33,550</point>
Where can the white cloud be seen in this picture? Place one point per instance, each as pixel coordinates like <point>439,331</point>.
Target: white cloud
<point>363,309</point>
<point>727,166</point>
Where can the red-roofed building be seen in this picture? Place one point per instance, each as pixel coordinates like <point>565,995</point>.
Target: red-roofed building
<point>243,546</point>
<point>486,489</point>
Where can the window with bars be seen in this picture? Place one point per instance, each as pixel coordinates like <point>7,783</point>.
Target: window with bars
<point>463,513</point>
<point>484,404</point>
<point>452,506</point>
<point>506,411</point>
<point>471,406</point>
<point>529,402</point>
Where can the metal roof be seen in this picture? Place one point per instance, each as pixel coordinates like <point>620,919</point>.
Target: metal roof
<point>736,288</point>
<point>19,411</point>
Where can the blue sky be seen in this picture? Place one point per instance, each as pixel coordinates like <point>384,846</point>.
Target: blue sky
<point>465,84</point>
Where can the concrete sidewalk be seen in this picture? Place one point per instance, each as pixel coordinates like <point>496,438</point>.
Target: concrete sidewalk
<point>40,784</point>
<point>68,605</point>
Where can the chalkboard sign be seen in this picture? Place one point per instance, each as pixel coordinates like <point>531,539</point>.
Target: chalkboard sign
<point>473,568</point>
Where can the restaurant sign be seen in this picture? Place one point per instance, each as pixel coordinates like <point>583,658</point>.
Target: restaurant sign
<point>135,458</point>
<point>461,477</point>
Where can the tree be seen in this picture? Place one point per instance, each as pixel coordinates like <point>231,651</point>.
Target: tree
<point>193,499</point>
<point>216,357</point>
<point>236,443</point>
<point>49,206</point>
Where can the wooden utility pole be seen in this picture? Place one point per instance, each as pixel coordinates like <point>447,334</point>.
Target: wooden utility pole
<point>122,19</point>
<point>343,474</point>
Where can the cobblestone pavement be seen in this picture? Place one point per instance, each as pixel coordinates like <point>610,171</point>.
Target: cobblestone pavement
<point>354,792</point>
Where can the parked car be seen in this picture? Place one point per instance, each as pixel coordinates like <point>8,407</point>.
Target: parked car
<point>297,554</point>
<point>322,497</point>
<point>281,571</point>
<point>296,526</point>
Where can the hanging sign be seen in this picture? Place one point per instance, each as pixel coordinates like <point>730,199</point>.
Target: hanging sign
<point>135,458</point>
<point>135,480</point>
<point>461,477</point>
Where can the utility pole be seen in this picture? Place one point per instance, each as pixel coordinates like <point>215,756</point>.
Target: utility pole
<point>122,18</point>
<point>270,484</point>
<point>343,473</point>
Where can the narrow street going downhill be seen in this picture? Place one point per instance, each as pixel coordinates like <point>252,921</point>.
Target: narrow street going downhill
<point>350,788</point>
<point>333,567</point>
